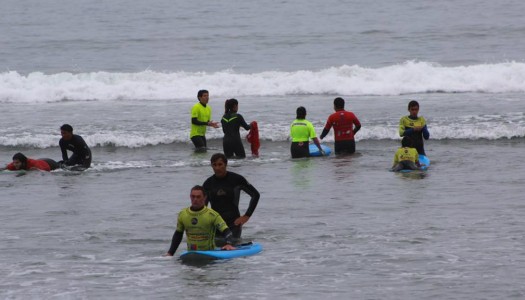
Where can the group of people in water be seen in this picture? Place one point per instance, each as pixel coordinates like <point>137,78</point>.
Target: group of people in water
<point>80,158</point>
<point>345,124</point>
<point>222,190</point>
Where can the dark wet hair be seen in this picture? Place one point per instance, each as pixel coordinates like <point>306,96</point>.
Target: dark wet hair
<point>406,142</point>
<point>412,104</point>
<point>215,157</point>
<point>22,158</point>
<point>201,92</point>
<point>339,103</point>
<point>199,188</point>
<point>66,127</point>
<point>301,112</point>
<point>229,105</point>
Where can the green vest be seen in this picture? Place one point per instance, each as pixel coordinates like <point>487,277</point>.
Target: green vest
<point>203,114</point>
<point>200,227</point>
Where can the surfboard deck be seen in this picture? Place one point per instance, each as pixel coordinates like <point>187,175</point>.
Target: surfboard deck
<point>424,161</point>
<point>246,249</point>
<point>314,151</point>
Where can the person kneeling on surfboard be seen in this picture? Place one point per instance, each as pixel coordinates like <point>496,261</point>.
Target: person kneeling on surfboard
<point>406,157</point>
<point>200,224</point>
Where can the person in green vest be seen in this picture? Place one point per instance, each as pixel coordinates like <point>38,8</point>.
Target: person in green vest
<point>415,127</point>
<point>200,120</point>
<point>301,131</point>
<point>200,224</point>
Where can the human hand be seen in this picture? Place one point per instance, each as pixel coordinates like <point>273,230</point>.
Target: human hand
<point>228,247</point>
<point>213,124</point>
<point>323,153</point>
<point>241,220</point>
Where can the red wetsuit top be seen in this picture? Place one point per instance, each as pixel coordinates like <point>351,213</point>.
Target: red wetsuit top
<point>343,122</point>
<point>32,164</point>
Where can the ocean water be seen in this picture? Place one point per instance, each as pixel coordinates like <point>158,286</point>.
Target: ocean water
<point>125,75</point>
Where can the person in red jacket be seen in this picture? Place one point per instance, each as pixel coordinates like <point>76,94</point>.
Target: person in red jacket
<point>345,125</point>
<point>21,162</point>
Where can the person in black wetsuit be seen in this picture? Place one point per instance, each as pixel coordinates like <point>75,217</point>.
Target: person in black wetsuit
<point>231,122</point>
<point>224,189</point>
<point>81,153</point>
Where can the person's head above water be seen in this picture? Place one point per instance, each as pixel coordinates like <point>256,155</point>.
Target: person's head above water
<point>20,161</point>
<point>339,103</point>
<point>301,112</point>
<point>66,131</point>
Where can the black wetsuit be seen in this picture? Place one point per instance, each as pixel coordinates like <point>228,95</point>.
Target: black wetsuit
<point>81,152</point>
<point>232,143</point>
<point>224,193</point>
<point>53,165</point>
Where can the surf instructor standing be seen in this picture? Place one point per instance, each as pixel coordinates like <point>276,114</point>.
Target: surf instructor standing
<point>224,191</point>
<point>200,119</point>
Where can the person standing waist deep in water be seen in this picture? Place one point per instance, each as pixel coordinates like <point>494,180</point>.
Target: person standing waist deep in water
<point>301,131</point>
<point>200,119</point>
<point>415,127</point>
<point>224,190</point>
<point>231,123</point>
<point>345,125</point>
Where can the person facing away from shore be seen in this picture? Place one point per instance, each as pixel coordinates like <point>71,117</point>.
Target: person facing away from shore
<point>231,123</point>
<point>406,157</point>
<point>224,188</point>
<point>200,120</point>
<point>22,162</point>
<point>200,224</point>
<point>75,143</point>
<point>415,127</point>
<point>301,131</point>
<point>345,125</point>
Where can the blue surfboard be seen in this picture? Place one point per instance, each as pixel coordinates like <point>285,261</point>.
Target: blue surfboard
<point>314,151</point>
<point>424,161</point>
<point>247,249</point>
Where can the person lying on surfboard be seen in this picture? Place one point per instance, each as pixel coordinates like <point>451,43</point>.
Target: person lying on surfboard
<point>406,157</point>
<point>200,223</point>
<point>21,162</point>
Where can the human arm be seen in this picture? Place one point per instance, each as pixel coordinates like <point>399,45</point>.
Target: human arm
<point>213,124</point>
<point>426,134</point>
<point>326,128</point>
<point>175,242</point>
<point>318,144</point>
<point>227,234</point>
<point>254,200</point>
<point>243,122</point>
<point>63,149</point>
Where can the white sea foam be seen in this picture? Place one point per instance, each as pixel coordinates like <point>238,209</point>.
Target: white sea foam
<point>411,77</point>
<point>272,133</point>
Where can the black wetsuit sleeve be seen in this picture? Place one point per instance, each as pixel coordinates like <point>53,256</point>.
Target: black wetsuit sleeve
<point>243,123</point>
<point>227,234</point>
<point>356,129</point>
<point>175,241</point>
<point>324,133</point>
<point>63,148</point>
<point>254,194</point>
<point>194,121</point>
